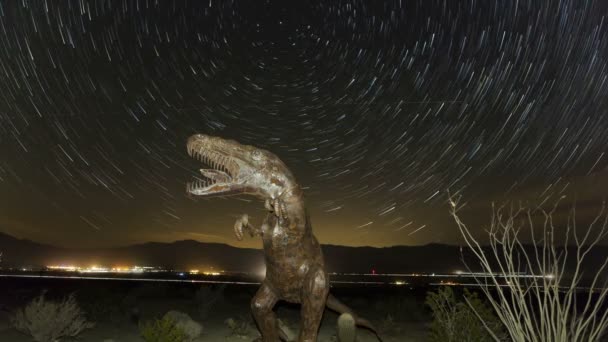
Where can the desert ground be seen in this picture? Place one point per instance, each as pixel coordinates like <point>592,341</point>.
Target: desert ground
<point>119,307</point>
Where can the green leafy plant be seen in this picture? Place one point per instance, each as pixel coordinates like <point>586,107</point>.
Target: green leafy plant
<point>162,330</point>
<point>466,319</point>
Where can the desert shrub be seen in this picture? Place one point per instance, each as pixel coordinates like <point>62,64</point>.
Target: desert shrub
<point>458,320</point>
<point>239,327</point>
<point>402,308</point>
<point>395,311</point>
<point>191,328</point>
<point>548,304</point>
<point>206,297</point>
<point>162,330</point>
<point>48,321</point>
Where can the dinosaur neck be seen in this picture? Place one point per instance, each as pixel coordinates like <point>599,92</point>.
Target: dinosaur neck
<point>293,201</point>
<point>294,198</point>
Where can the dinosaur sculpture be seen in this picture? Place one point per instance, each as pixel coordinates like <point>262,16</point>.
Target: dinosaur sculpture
<point>295,269</point>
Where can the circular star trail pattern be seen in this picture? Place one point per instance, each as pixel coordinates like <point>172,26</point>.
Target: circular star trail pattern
<point>379,108</point>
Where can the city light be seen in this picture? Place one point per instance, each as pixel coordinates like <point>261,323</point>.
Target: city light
<point>63,268</point>
<point>103,269</point>
<point>94,269</point>
<point>455,278</point>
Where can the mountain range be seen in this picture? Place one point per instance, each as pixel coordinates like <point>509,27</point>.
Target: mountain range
<point>190,254</point>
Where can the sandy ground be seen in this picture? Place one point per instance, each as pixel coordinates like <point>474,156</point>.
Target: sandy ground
<point>115,323</point>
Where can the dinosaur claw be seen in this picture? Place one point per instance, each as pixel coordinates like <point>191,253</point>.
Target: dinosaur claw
<point>239,237</point>
<point>239,225</point>
<point>238,229</point>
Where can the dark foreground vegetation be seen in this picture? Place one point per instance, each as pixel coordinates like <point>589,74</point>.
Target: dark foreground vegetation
<point>153,311</point>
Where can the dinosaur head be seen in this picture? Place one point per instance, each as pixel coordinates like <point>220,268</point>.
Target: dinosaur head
<point>237,169</point>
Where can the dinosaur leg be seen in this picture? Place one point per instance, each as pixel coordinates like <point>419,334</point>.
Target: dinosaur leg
<point>316,288</point>
<point>261,306</point>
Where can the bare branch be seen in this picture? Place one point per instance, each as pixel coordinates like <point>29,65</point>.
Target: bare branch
<point>542,305</point>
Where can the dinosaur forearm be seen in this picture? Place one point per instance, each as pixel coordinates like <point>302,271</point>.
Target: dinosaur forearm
<point>253,231</point>
<point>242,225</point>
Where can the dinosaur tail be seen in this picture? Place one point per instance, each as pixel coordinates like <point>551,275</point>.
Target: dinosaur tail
<point>334,304</point>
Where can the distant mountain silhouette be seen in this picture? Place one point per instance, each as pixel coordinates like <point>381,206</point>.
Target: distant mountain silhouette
<point>186,254</point>
<point>17,252</point>
<point>189,254</point>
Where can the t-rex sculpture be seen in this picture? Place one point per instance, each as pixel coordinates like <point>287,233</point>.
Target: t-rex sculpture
<point>295,270</point>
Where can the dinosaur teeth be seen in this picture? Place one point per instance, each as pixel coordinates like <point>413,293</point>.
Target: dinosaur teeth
<point>224,166</point>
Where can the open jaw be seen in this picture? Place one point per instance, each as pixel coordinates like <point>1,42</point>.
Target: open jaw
<point>217,180</point>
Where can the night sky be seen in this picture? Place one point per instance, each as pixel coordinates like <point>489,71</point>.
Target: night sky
<point>378,107</point>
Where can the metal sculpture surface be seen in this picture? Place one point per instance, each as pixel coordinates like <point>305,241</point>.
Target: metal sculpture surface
<point>295,269</point>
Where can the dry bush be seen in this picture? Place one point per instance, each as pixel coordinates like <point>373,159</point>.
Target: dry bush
<point>162,330</point>
<point>545,304</point>
<point>48,321</point>
<point>456,319</point>
<point>402,308</point>
<point>240,327</point>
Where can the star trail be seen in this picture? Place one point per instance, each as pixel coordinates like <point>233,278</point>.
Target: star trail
<point>378,107</point>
